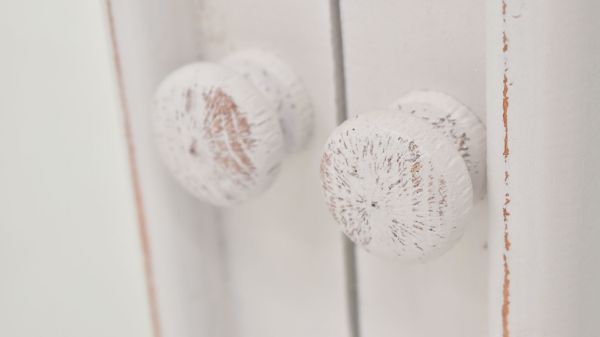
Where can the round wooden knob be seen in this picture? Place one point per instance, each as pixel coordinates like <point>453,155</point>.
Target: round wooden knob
<point>223,129</point>
<point>400,181</point>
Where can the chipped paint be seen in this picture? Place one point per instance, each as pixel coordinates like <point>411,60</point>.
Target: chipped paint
<point>283,89</point>
<point>395,184</point>
<point>506,152</point>
<point>223,130</point>
<point>505,215</point>
<point>457,123</point>
<point>228,133</point>
<point>505,297</point>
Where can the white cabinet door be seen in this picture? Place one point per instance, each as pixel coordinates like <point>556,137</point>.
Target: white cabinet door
<point>391,48</point>
<point>283,252</point>
<point>543,84</point>
<point>277,266</point>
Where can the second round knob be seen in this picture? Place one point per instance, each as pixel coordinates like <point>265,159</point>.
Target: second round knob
<point>222,129</point>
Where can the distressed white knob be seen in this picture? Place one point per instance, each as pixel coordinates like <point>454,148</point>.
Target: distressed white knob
<point>400,180</point>
<point>223,129</point>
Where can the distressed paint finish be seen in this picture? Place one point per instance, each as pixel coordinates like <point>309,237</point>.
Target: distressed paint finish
<point>219,127</point>
<point>505,153</point>
<point>135,179</point>
<point>543,83</point>
<point>285,91</point>
<point>397,181</point>
<point>215,273</point>
<point>457,123</point>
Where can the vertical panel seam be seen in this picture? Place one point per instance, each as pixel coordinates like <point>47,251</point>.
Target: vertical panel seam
<point>349,251</point>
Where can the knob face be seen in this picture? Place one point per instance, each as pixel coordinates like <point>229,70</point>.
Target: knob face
<point>217,133</point>
<point>398,186</point>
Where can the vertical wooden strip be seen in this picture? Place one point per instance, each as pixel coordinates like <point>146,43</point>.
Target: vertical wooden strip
<point>390,49</point>
<point>543,79</point>
<point>135,181</point>
<point>189,265</point>
<point>337,41</point>
<point>349,250</point>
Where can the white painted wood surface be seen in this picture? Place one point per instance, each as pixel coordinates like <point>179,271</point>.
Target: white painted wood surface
<point>182,243</point>
<point>270,267</point>
<point>543,90</point>
<point>391,48</point>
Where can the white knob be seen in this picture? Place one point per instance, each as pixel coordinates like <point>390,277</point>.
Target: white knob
<point>223,129</point>
<point>400,181</point>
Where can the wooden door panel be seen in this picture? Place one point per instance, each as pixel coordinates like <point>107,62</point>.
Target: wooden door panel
<point>183,256</point>
<point>270,267</point>
<point>543,84</point>
<point>284,254</point>
<point>391,48</point>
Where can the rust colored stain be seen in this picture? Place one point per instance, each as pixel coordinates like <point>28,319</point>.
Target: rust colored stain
<point>506,298</point>
<point>507,199</point>
<point>505,112</point>
<point>228,133</point>
<point>188,100</point>
<point>139,203</point>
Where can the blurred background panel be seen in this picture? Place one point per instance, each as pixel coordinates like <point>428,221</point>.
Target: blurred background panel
<point>70,261</point>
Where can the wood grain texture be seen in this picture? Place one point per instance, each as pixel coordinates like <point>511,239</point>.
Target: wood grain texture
<point>217,133</point>
<point>223,129</point>
<point>387,189</point>
<point>458,124</point>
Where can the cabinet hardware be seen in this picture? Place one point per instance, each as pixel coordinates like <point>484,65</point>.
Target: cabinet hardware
<point>401,180</point>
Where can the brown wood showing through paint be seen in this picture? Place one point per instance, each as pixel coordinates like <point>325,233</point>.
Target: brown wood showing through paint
<point>505,153</point>
<point>135,180</point>
<point>228,133</point>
